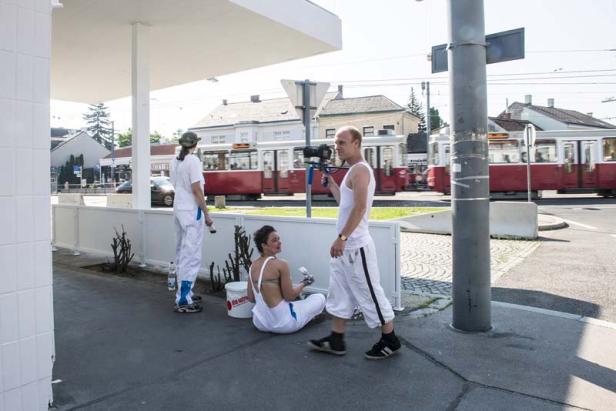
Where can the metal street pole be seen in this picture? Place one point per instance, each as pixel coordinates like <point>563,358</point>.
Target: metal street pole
<point>307,127</point>
<point>528,152</point>
<point>426,85</point>
<point>469,167</point>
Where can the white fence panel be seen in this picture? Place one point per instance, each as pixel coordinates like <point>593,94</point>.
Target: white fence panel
<point>96,229</point>
<point>152,233</point>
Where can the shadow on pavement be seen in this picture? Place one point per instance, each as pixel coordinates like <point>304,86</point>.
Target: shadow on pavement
<point>547,301</point>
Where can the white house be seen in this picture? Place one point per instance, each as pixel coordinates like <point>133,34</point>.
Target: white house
<point>255,120</point>
<point>80,143</point>
<point>552,118</point>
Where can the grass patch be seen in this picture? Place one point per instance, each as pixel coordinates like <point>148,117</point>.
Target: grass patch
<point>377,214</point>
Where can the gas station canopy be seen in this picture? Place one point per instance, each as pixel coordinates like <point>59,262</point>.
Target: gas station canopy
<point>189,40</point>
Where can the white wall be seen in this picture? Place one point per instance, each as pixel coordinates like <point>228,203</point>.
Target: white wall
<point>26,310</point>
<point>81,144</point>
<point>258,132</point>
<point>305,242</point>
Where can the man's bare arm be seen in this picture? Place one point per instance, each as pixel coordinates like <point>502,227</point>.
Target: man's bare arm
<point>334,188</point>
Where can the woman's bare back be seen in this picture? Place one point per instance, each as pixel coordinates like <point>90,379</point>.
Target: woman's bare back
<point>270,284</point>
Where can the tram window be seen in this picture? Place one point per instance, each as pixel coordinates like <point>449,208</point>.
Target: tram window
<point>283,163</point>
<point>370,157</point>
<point>589,155</point>
<point>298,158</point>
<point>545,152</point>
<point>243,160</point>
<point>609,149</point>
<point>388,158</point>
<point>215,161</point>
<point>504,152</point>
<point>268,163</point>
<point>433,160</point>
<point>569,156</point>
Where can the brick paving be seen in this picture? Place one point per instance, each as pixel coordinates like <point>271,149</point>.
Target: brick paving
<point>426,261</point>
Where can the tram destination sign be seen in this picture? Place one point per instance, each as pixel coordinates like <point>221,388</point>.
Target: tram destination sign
<point>503,46</point>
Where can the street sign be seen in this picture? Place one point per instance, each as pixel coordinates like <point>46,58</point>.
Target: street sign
<point>77,170</point>
<point>531,135</point>
<point>295,91</point>
<point>503,46</point>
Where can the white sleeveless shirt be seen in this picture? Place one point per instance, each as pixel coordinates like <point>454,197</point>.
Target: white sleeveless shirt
<point>361,235</point>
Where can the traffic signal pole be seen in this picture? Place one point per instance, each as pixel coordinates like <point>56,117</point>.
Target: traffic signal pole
<point>470,200</point>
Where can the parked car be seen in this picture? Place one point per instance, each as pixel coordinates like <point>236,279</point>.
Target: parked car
<point>161,189</point>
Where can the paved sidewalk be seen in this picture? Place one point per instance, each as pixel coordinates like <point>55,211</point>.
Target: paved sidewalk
<point>119,346</point>
<point>426,260</point>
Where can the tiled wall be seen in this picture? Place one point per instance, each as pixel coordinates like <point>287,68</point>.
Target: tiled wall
<point>26,316</point>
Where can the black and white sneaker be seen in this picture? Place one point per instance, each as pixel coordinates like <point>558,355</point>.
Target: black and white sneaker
<point>328,345</point>
<point>383,349</point>
<point>188,308</point>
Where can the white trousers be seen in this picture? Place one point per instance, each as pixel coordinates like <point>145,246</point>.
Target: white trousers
<point>188,244</point>
<point>287,317</point>
<point>355,282</point>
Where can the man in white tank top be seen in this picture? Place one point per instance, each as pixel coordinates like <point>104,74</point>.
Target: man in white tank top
<point>354,273</point>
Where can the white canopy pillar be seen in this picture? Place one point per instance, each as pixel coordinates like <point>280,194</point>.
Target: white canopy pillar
<point>140,84</point>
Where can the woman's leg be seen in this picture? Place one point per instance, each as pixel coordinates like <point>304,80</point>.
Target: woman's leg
<point>305,310</point>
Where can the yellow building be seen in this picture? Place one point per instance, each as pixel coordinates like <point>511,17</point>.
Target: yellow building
<point>369,114</point>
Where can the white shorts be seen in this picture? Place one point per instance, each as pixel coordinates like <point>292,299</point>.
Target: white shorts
<point>355,282</point>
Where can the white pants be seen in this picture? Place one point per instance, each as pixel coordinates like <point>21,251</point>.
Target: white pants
<point>355,282</point>
<point>189,240</point>
<point>287,317</point>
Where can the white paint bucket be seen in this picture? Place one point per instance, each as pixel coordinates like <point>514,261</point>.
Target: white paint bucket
<point>238,305</point>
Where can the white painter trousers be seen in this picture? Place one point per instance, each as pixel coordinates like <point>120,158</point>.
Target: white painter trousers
<point>355,282</point>
<point>189,241</point>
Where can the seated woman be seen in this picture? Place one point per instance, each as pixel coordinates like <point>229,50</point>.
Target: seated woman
<point>273,293</point>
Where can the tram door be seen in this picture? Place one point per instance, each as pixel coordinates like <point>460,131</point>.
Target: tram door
<point>588,162</point>
<point>275,171</point>
<point>386,166</point>
<point>569,176</point>
<point>579,164</point>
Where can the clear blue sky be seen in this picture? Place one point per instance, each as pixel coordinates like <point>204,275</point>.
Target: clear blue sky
<point>384,52</point>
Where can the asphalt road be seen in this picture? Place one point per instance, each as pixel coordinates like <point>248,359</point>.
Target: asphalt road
<point>574,269</point>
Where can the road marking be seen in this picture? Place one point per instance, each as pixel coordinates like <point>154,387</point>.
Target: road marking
<point>580,224</point>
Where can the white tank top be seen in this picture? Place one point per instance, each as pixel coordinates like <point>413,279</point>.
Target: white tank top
<point>361,235</point>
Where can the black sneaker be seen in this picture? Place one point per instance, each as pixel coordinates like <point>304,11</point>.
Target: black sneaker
<point>188,308</point>
<point>383,349</point>
<point>328,345</point>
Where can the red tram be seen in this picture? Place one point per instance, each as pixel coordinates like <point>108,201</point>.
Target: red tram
<point>572,161</point>
<point>277,167</point>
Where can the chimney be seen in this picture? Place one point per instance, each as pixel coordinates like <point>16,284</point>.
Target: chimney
<point>224,102</point>
<point>528,99</point>
<point>340,94</point>
<point>551,102</point>
<point>255,99</point>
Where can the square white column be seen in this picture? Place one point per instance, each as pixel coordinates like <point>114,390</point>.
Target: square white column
<point>141,116</point>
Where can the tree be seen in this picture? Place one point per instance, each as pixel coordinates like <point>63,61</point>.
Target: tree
<point>415,107</point>
<point>155,137</point>
<point>98,124</point>
<point>125,139</point>
<point>435,119</point>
